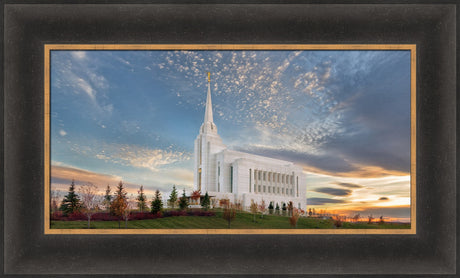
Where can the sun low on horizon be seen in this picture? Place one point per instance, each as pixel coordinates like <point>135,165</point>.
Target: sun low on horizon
<point>344,116</point>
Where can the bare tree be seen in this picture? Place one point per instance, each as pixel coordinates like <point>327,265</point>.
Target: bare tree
<point>90,200</point>
<point>296,213</point>
<point>54,200</point>
<point>229,213</point>
<point>141,199</point>
<point>195,197</point>
<point>254,209</point>
<point>356,217</point>
<point>262,208</point>
<point>338,220</point>
<point>370,217</point>
<point>290,207</point>
<point>107,198</point>
<point>130,204</point>
<point>238,204</point>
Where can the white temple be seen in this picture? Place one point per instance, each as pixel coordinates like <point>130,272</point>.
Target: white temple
<point>242,177</point>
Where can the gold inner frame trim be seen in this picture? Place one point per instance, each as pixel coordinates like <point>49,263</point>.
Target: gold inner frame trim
<point>47,148</point>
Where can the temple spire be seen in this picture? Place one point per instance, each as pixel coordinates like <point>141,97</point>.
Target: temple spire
<point>208,111</point>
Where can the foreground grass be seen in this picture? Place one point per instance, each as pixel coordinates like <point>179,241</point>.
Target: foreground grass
<point>242,221</point>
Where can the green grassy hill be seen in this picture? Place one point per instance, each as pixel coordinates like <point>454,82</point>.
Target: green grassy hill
<point>243,220</point>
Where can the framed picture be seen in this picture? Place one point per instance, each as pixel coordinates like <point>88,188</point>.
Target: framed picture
<point>46,144</point>
<point>283,107</point>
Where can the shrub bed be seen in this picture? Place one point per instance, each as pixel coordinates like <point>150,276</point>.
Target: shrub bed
<point>106,216</point>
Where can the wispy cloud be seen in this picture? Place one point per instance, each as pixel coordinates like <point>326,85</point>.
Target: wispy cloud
<point>324,201</point>
<point>132,155</point>
<point>75,72</point>
<point>334,191</point>
<point>64,174</point>
<point>349,185</point>
<point>360,192</point>
<point>306,103</point>
<point>78,54</point>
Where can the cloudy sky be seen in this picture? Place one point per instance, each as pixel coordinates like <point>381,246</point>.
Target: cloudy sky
<point>133,116</point>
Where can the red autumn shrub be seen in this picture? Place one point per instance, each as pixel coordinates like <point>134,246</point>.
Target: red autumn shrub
<point>57,215</point>
<point>144,215</point>
<point>174,213</point>
<point>76,216</point>
<point>104,216</point>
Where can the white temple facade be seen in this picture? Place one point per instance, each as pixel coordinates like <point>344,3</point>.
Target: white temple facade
<point>242,177</point>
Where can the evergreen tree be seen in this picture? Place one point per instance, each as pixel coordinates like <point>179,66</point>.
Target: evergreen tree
<point>206,202</point>
<point>284,209</point>
<point>183,202</point>
<point>173,198</point>
<point>277,209</point>
<point>157,203</point>
<point>120,203</point>
<point>107,198</point>
<point>141,198</point>
<point>71,202</point>
<point>270,208</point>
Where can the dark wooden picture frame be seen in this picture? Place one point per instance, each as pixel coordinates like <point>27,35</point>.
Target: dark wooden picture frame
<point>28,27</point>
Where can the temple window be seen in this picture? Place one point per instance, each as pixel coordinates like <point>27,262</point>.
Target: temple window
<point>250,182</point>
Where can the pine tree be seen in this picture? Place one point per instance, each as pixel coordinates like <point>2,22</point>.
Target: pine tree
<point>277,209</point>
<point>71,202</point>
<point>183,202</point>
<point>120,203</point>
<point>107,198</point>
<point>173,197</point>
<point>270,208</point>
<point>157,203</point>
<point>141,198</point>
<point>206,202</point>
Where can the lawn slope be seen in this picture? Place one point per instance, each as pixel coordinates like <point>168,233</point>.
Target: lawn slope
<point>242,221</point>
